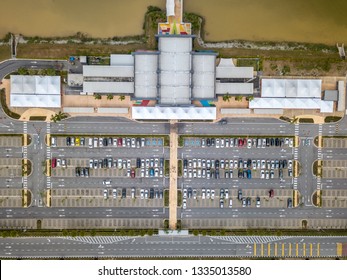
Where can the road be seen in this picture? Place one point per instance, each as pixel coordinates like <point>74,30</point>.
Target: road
<point>165,246</point>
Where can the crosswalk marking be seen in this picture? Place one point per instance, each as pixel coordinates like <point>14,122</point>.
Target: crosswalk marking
<point>251,239</point>
<point>98,239</point>
<point>295,183</point>
<point>296,133</point>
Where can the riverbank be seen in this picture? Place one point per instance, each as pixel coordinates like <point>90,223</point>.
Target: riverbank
<point>276,58</point>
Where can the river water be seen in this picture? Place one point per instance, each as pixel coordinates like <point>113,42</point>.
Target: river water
<point>318,21</point>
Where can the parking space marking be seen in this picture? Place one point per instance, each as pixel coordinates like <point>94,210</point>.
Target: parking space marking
<point>282,249</point>
<point>275,251</point>
<point>297,249</point>
<point>318,249</point>
<point>339,249</point>
<point>304,249</point>
<point>262,249</point>
<point>311,249</point>
<point>269,249</point>
<point>290,249</point>
<point>255,249</point>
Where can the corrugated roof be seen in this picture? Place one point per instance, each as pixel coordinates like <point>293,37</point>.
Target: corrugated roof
<point>109,87</point>
<point>108,71</point>
<point>203,78</point>
<point>146,76</point>
<point>234,88</point>
<point>122,60</point>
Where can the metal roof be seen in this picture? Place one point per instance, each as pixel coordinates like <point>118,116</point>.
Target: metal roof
<point>203,78</point>
<point>122,60</point>
<point>146,76</point>
<point>227,69</point>
<point>109,87</point>
<point>234,88</point>
<point>341,104</point>
<point>108,110</point>
<point>331,95</point>
<point>79,110</point>
<point>102,71</point>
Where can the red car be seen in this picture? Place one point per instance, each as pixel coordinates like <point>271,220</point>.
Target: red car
<point>132,173</point>
<point>271,193</point>
<point>54,162</point>
<point>120,142</point>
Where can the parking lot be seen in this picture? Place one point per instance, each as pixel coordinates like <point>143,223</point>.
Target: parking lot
<point>10,167</point>
<point>334,198</point>
<point>335,143</point>
<point>114,197</point>
<point>335,169</point>
<point>10,141</point>
<point>10,198</point>
<point>230,198</point>
<point>108,167</point>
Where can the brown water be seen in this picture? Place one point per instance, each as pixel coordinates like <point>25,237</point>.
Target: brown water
<point>279,20</point>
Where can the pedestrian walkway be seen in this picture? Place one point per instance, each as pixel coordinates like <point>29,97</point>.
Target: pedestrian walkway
<point>25,156</point>
<point>296,144</point>
<point>173,175</point>
<point>98,239</point>
<point>251,239</point>
<point>48,155</point>
<point>286,249</point>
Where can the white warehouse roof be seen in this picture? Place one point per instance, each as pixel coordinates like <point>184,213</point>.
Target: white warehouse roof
<point>122,60</point>
<point>234,88</point>
<point>203,79</point>
<point>296,88</point>
<point>175,66</point>
<point>146,77</point>
<point>101,71</point>
<point>35,91</point>
<point>108,87</point>
<point>292,103</point>
<point>227,69</point>
<point>174,113</point>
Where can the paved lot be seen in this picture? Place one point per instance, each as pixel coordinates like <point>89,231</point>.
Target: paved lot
<point>335,142</point>
<point>278,201</point>
<point>10,141</point>
<point>334,198</point>
<point>10,198</point>
<point>335,169</point>
<point>101,223</point>
<point>95,198</point>
<point>10,167</point>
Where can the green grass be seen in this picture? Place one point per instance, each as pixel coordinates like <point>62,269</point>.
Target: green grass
<point>5,108</point>
<point>166,198</point>
<point>249,62</point>
<point>37,118</point>
<point>179,198</point>
<point>167,167</point>
<point>179,166</point>
<point>315,169</point>
<point>306,120</point>
<point>330,119</point>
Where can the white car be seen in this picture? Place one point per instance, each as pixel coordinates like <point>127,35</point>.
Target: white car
<point>185,173</point>
<point>203,194</point>
<point>184,193</point>
<point>142,194</point>
<point>226,194</point>
<point>208,192</point>
<point>230,203</point>
<point>217,143</point>
<point>212,194</point>
<point>105,194</point>
<point>263,164</point>
<point>142,173</point>
<point>114,193</point>
<point>262,174</point>
<point>290,164</point>
<point>184,204</point>
<point>249,143</point>
<point>290,142</point>
<point>222,143</point>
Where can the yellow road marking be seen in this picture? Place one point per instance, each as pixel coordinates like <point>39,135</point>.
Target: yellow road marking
<point>255,249</point>
<point>268,249</point>
<point>304,249</point>
<point>282,249</point>
<point>318,249</point>
<point>275,249</point>
<point>311,249</point>
<point>339,249</point>
<point>262,249</point>
<point>297,249</point>
<point>290,249</point>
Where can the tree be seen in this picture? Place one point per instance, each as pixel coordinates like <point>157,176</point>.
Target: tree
<point>97,96</point>
<point>59,116</point>
<point>109,97</point>
<point>226,97</point>
<point>238,98</point>
<point>121,97</point>
<point>22,71</point>
<point>50,72</point>
<point>250,98</point>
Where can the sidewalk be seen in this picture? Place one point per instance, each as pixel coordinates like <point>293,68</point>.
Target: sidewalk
<point>173,175</point>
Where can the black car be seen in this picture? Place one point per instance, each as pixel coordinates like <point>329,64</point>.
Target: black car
<point>105,163</point>
<point>86,172</point>
<point>190,192</point>
<point>124,193</point>
<point>272,141</point>
<point>277,142</point>
<point>239,195</point>
<point>208,142</point>
<point>267,142</point>
<point>213,142</point>
<point>68,141</point>
<point>280,173</point>
<point>110,141</point>
<point>185,163</point>
<point>82,141</point>
<point>249,162</point>
<point>161,162</point>
<point>240,173</point>
<point>151,193</point>
<point>217,163</point>
<point>105,142</point>
<point>280,164</point>
<point>216,174</point>
<point>77,172</point>
<point>248,201</point>
<point>240,162</point>
<point>289,203</point>
<point>285,163</point>
<point>138,163</point>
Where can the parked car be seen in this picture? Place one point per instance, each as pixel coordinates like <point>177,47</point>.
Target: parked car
<point>289,203</point>
<point>257,204</point>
